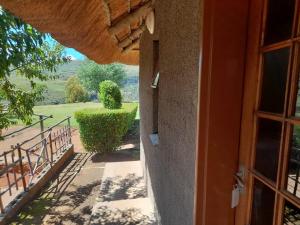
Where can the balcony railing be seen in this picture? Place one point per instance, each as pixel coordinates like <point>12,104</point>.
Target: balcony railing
<point>24,162</point>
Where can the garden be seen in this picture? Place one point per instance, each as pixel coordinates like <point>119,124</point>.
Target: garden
<point>101,130</point>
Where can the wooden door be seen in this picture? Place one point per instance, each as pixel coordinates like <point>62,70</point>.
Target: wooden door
<point>270,131</point>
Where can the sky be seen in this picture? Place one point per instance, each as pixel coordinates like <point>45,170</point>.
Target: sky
<point>75,55</point>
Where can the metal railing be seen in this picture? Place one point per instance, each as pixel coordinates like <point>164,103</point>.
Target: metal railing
<point>24,162</point>
<point>41,120</point>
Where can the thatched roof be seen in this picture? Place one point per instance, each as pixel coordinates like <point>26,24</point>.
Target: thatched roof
<point>104,30</point>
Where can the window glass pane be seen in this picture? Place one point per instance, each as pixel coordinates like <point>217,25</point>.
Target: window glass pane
<point>263,204</point>
<point>267,148</point>
<point>294,163</point>
<point>279,20</point>
<point>291,215</point>
<point>297,108</point>
<point>274,80</point>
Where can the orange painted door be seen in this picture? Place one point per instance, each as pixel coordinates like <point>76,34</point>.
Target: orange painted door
<point>270,130</point>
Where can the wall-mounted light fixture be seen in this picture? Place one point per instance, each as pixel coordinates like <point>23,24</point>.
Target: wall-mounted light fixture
<point>150,22</point>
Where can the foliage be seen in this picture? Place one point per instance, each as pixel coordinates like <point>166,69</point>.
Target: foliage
<point>101,130</point>
<point>75,92</point>
<point>91,74</point>
<point>24,51</point>
<point>110,95</point>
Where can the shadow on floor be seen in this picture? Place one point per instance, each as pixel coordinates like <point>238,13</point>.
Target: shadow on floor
<point>118,188</point>
<point>60,195</point>
<point>108,216</point>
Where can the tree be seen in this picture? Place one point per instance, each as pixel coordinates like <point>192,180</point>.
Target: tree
<point>24,51</point>
<point>91,74</point>
<point>75,92</point>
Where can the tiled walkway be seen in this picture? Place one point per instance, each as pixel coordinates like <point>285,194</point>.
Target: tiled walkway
<point>122,198</point>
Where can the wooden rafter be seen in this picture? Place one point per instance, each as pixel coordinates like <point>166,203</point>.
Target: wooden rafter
<point>129,6</point>
<point>133,36</point>
<point>107,11</point>
<point>131,18</point>
<point>132,46</point>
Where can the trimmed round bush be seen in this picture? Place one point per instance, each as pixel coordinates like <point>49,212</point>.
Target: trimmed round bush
<point>101,130</point>
<point>110,95</point>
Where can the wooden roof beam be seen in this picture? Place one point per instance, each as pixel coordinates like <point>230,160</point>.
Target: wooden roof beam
<point>134,35</point>
<point>107,12</point>
<point>130,18</point>
<point>129,6</point>
<point>132,46</point>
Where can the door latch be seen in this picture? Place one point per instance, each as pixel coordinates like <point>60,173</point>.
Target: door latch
<point>239,187</point>
<point>240,179</point>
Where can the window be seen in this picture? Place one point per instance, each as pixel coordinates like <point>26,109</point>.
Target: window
<point>155,93</point>
<point>155,86</point>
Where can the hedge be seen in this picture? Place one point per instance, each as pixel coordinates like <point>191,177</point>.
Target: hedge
<point>101,130</point>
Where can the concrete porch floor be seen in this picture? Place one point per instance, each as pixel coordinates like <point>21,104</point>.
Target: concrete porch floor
<point>93,190</point>
<point>122,198</point>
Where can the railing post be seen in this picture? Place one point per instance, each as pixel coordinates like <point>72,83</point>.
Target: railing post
<point>69,125</point>
<point>7,174</point>
<point>13,161</point>
<point>1,203</point>
<point>21,167</point>
<point>41,117</point>
<point>51,147</point>
<point>42,126</point>
<point>46,149</point>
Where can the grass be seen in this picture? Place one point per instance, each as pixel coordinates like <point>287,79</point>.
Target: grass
<point>60,112</point>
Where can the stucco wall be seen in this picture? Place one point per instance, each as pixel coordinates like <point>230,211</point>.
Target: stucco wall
<point>169,168</point>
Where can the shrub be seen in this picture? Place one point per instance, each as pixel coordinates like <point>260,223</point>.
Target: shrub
<point>110,95</point>
<point>75,92</point>
<point>101,130</point>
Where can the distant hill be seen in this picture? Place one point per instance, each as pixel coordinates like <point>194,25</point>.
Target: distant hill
<point>55,93</point>
<point>69,69</point>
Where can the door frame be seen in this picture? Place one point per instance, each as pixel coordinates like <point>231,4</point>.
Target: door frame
<point>251,89</point>
<point>221,88</point>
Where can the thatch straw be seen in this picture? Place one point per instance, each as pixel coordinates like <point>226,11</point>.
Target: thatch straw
<point>84,25</point>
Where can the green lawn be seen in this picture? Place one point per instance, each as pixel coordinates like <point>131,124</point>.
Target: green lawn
<point>60,112</point>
